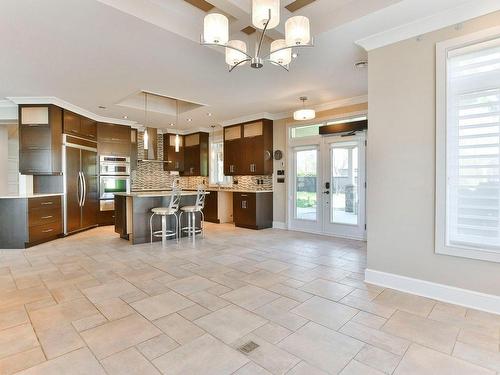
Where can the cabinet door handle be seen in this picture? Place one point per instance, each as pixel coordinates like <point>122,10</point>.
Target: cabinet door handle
<point>47,217</point>
<point>47,230</point>
<point>244,195</point>
<point>46,203</point>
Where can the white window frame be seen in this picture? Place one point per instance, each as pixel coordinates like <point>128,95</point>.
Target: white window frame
<point>226,180</point>
<point>442,50</point>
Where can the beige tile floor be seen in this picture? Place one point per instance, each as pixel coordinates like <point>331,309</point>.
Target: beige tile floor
<point>93,304</point>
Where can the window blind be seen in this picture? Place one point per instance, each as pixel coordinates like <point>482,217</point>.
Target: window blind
<point>473,147</point>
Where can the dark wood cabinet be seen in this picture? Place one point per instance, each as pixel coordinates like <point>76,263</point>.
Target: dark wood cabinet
<point>248,148</point>
<point>232,150</point>
<point>79,126</point>
<point>253,210</point>
<point>44,219</point>
<point>175,159</point>
<point>133,149</point>
<point>40,139</point>
<point>195,154</point>
<point>114,140</point>
<point>211,207</point>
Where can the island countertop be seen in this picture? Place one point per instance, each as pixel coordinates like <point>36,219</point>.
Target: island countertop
<point>152,194</point>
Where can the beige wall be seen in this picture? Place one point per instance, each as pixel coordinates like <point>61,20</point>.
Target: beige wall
<point>401,165</point>
<point>280,142</point>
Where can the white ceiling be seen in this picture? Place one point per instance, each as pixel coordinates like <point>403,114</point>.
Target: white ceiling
<point>96,53</point>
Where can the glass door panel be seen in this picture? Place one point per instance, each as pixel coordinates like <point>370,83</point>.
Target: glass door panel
<point>344,182</point>
<point>306,183</point>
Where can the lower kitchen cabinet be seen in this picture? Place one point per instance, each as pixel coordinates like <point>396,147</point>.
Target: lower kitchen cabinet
<point>253,210</point>
<point>210,210</point>
<point>25,222</point>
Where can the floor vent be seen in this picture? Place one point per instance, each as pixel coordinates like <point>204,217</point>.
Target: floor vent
<point>248,347</point>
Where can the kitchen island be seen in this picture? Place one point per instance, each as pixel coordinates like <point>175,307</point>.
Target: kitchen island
<point>133,211</point>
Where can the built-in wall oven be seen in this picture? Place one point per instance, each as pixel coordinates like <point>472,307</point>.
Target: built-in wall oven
<point>114,177</point>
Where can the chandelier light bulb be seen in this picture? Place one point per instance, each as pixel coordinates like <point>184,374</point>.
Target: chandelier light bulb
<point>260,13</point>
<point>233,57</point>
<point>297,31</point>
<point>216,29</point>
<point>283,56</point>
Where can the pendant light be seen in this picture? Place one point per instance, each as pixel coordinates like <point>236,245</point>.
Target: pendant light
<point>146,135</point>
<point>304,113</point>
<point>177,138</point>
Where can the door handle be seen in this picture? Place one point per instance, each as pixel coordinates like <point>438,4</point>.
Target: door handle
<point>326,192</point>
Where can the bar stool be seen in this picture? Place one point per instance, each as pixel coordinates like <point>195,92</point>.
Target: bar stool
<point>191,229</point>
<point>172,209</point>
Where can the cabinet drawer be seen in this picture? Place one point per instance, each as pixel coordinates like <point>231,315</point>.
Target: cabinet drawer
<point>41,232</point>
<point>44,202</point>
<point>40,216</point>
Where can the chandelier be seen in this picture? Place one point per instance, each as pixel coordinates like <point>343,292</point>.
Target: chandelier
<point>265,16</point>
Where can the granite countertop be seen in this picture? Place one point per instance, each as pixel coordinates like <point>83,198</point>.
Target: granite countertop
<point>155,193</point>
<point>229,190</point>
<point>26,196</point>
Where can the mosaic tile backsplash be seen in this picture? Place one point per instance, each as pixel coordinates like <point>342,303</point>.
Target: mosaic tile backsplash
<point>151,176</point>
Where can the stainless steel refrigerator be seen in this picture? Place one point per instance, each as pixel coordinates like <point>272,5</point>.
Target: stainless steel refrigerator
<point>81,192</point>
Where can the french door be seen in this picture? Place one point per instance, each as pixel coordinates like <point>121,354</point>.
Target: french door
<point>328,187</point>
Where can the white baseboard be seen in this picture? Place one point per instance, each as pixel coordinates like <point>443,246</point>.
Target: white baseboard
<point>279,225</point>
<point>464,297</point>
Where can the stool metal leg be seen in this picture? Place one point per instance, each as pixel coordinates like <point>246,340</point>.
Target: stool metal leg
<point>151,226</point>
<point>163,230</point>
<point>176,227</point>
<point>189,225</point>
<point>202,224</point>
<point>194,226</point>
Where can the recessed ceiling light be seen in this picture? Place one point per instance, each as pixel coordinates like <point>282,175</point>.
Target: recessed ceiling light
<point>190,119</point>
<point>171,124</point>
<point>209,114</point>
<point>295,55</point>
<point>125,117</point>
<point>362,64</point>
<point>102,107</point>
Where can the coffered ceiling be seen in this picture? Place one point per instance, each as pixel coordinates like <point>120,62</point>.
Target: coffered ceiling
<point>94,53</point>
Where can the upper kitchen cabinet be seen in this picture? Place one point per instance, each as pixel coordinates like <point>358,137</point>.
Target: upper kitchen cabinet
<point>114,140</point>
<point>40,139</point>
<point>79,126</point>
<point>196,154</point>
<point>248,148</point>
<point>175,160</point>
<point>232,150</point>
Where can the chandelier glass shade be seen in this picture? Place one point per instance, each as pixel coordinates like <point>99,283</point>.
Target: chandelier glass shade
<point>265,16</point>
<point>304,113</point>
<point>260,13</point>
<point>297,31</point>
<point>279,52</point>
<point>216,29</point>
<point>234,56</point>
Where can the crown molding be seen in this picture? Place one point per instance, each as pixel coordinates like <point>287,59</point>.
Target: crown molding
<point>453,16</point>
<point>70,107</point>
<point>283,115</point>
<point>8,111</point>
<point>252,117</point>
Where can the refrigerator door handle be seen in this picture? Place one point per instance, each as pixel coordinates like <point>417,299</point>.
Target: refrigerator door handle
<point>79,189</point>
<point>84,196</point>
